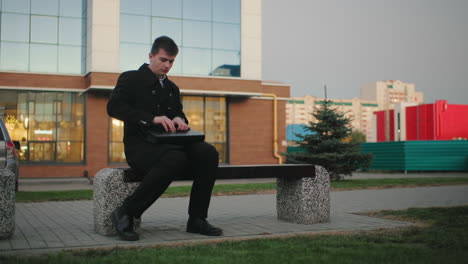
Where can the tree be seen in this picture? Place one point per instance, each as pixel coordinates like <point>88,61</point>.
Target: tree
<point>326,147</point>
<point>356,137</point>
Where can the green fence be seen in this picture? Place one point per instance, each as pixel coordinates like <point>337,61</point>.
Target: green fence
<point>444,155</point>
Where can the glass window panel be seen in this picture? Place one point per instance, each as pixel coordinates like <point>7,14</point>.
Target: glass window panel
<point>197,34</point>
<point>116,152</point>
<point>69,59</point>
<point>45,7</point>
<point>71,31</point>
<point>132,56</point>
<point>167,27</point>
<point>43,58</point>
<point>137,7</point>
<point>196,61</point>
<point>193,109</point>
<point>226,63</point>
<point>17,6</point>
<point>177,66</point>
<point>116,146</point>
<point>164,8</point>
<point>69,151</point>
<point>14,56</point>
<point>72,8</point>
<point>44,29</point>
<point>226,11</point>
<point>135,29</point>
<point>215,119</point>
<point>15,27</point>
<point>198,10</point>
<point>41,119</point>
<point>41,151</point>
<point>226,36</point>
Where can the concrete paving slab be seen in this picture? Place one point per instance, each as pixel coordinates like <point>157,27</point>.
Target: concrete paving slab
<point>52,226</point>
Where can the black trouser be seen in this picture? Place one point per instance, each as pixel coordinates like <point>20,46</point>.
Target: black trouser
<point>198,159</point>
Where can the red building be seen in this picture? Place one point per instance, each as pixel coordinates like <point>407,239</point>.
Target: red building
<point>437,121</point>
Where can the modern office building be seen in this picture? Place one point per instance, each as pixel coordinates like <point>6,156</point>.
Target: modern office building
<point>299,111</point>
<point>60,59</point>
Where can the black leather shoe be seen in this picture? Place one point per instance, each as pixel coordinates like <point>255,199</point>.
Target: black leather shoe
<point>201,226</point>
<point>123,223</point>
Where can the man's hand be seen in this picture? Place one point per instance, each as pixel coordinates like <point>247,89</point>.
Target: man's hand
<point>180,124</point>
<point>165,122</point>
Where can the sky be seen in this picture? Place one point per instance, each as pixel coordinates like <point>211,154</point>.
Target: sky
<point>345,44</point>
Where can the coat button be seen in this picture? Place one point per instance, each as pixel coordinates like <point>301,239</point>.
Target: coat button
<point>153,92</point>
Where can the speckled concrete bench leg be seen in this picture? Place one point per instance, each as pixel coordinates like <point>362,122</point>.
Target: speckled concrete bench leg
<point>109,193</point>
<point>7,203</point>
<point>304,200</point>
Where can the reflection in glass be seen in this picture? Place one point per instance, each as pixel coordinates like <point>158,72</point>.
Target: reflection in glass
<point>70,151</point>
<point>197,10</point>
<point>70,31</point>
<point>208,115</point>
<point>44,29</point>
<point>226,63</point>
<point>44,7</point>
<point>14,56</point>
<point>200,28</point>
<point>49,125</point>
<point>197,34</point>
<point>135,29</point>
<point>164,8</point>
<point>132,56</point>
<point>116,146</point>
<point>41,151</point>
<point>177,66</point>
<point>17,6</point>
<point>69,59</point>
<point>43,58</point>
<point>15,27</point>
<point>167,27</point>
<point>196,61</point>
<point>72,8</point>
<point>227,11</point>
<point>136,7</point>
<point>226,36</point>
<point>215,124</point>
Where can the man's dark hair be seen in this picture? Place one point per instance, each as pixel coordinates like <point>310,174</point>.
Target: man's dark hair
<point>165,43</point>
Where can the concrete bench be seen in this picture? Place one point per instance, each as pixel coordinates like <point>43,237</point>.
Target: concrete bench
<point>302,194</point>
<point>7,203</point>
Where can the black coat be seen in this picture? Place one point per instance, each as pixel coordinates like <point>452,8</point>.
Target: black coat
<point>136,99</point>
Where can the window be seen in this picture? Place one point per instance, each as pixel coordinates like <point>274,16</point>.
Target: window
<point>48,125</point>
<point>116,147</point>
<point>207,32</point>
<point>205,114</point>
<point>43,36</point>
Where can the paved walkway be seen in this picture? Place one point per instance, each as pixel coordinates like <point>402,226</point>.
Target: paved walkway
<point>49,226</point>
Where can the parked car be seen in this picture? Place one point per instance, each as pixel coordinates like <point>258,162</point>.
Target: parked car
<point>8,158</point>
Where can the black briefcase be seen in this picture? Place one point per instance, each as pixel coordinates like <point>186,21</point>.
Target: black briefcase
<point>156,136</point>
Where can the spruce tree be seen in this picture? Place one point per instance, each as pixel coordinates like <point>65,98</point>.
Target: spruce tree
<point>325,145</point>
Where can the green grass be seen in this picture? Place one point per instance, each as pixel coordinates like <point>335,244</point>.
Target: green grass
<point>247,188</point>
<point>444,241</point>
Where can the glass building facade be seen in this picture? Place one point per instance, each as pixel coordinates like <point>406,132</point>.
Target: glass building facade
<point>205,114</point>
<point>43,36</point>
<point>48,125</point>
<point>207,32</point>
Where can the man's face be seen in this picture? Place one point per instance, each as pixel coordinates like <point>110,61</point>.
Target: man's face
<point>161,62</point>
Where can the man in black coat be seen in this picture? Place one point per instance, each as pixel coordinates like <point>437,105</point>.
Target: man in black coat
<point>146,98</point>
